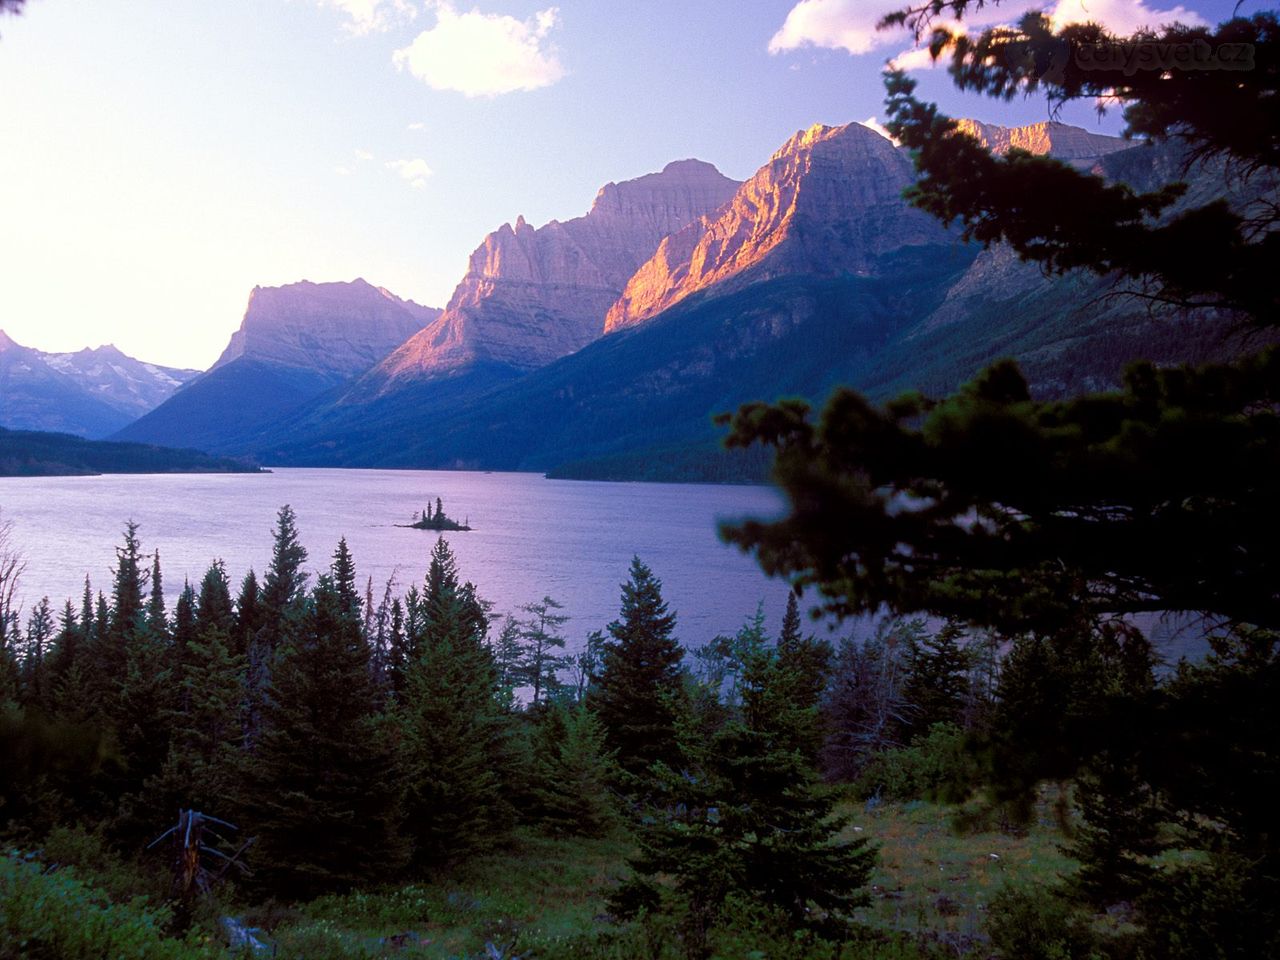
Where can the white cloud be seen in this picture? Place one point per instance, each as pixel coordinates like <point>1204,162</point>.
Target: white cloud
<point>850,25</point>
<point>364,155</point>
<point>414,172</point>
<point>917,58</point>
<point>342,171</point>
<point>484,54</point>
<point>871,123</point>
<point>1121,16</point>
<point>416,125</point>
<point>369,16</point>
<point>834,24</point>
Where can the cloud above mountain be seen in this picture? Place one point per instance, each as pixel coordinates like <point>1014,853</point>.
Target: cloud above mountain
<point>484,54</point>
<point>850,25</point>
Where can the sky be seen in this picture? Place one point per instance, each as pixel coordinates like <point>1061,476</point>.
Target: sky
<point>160,158</point>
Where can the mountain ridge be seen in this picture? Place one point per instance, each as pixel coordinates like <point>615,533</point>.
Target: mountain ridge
<point>90,392</point>
<point>531,295</point>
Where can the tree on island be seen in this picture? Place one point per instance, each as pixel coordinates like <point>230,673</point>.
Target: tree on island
<point>438,521</point>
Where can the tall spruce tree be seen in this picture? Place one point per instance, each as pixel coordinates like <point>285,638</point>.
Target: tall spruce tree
<point>136,686</point>
<point>804,664</point>
<point>344,581</point>
<point>454,727</point>
<point>213,603</point>
<point>249,614</point>
<point>746,818</point>
<point>282,587</point>
<point>639,690</point>
<point>324,795</point>
<point>127,614</point>
<point>157,621</point>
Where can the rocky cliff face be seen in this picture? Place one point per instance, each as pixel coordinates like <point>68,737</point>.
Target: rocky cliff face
<point>1076,146</point>
<point>339,330</point>
<point>828,202</point>
<point>531,295</point>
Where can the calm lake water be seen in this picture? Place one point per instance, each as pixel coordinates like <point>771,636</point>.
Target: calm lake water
<point>571,540</point>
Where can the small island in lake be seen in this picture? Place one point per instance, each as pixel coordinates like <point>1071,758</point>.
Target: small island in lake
<point>426,520</point>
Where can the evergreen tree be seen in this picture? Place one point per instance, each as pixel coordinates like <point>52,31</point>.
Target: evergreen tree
<point>539,636</point>
<point>87,626</point>
<point>507,654</point>
<point>282,588</point>
<point>143,708</point>
<point>455,729</point>
<point>37,692</point>
<point>640,686</point>
<point>157,622</point>
<point>572,773</point>
<point>746,819</point>
<point>790,635</point>
<point>101,684</point>
<point>213,605</point>
<point>127,614</point>
<point>804,667</point>
<point>344,581</point>
<point>67,649</point>
<point>282,603</point>
<point>204,764</point>
<point>184,633</point>
<point>397,651</point>
<point>1119,810</point>
<point>132,691</point>
<point>249,614</point>
<point>323,793</point>
<point>380,629</point>
<point>937,686</point>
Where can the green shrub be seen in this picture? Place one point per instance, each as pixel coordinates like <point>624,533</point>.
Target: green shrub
<point>936,766</point>
<point>1222,908</point>
<point>99,866</point>
<point>1037,924</point>
<point>53,915</point>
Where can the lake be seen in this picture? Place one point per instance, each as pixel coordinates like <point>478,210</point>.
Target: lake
<point>571,540</point>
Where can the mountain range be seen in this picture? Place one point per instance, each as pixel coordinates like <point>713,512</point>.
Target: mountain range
<point>90,393</point>
<point>601,346</point>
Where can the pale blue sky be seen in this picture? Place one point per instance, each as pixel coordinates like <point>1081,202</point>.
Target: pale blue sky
<point>158,158</point>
